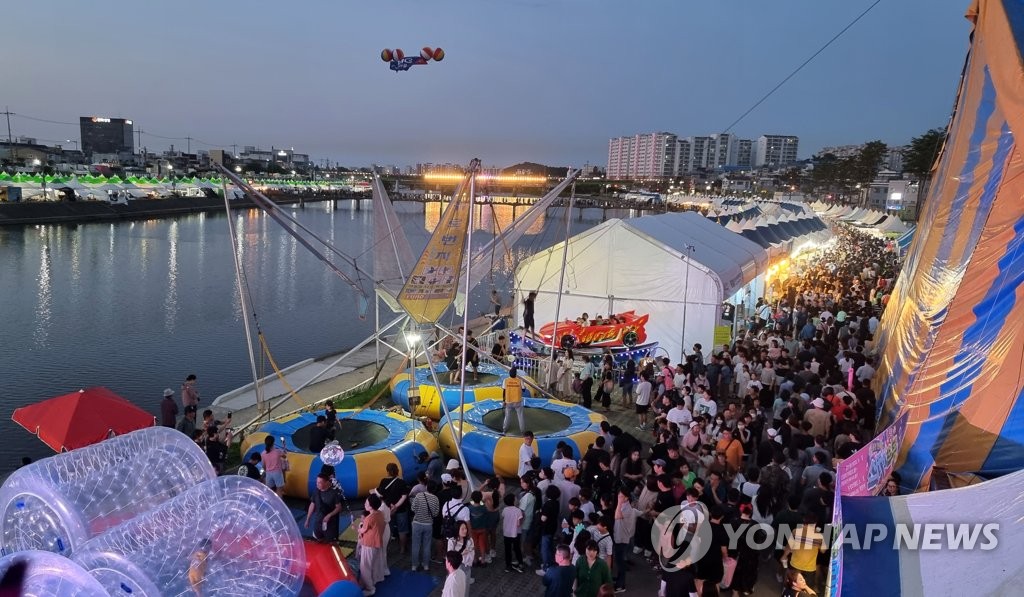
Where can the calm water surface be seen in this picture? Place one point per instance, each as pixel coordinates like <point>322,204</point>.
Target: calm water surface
<point>137,306</point>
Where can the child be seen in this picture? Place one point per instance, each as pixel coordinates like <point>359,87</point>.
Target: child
<point>198,565</point>
<point>511,523</point>
<point>479,518</point>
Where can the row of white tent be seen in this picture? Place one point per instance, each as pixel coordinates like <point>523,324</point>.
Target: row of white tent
<point>872,220</point>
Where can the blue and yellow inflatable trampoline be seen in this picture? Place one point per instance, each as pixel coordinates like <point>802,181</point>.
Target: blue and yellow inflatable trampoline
<point>488,387</point>
<point>371,439</point>
<point>489,451</point>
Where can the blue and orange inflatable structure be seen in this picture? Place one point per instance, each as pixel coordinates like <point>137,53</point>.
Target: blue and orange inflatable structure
<point>371,439</point>
<point>429,400</point>
<point>491,452</point>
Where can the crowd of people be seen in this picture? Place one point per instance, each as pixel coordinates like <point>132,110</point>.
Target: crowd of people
<point>744,439</point>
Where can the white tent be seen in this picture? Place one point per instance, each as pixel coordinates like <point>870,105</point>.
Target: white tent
<point>645,264</point>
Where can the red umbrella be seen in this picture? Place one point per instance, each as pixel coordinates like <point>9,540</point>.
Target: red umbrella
<point>82,418</point>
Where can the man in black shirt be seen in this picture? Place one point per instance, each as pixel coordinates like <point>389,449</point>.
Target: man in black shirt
<point>324,508</point>
<point>395,493</point>
<point>250,468</point>
<point>318,435</point>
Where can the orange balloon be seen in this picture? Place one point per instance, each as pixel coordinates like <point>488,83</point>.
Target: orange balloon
<point>399,54</point>
<point>438,54</point>
<point>426,53</point>
<point>385,55</point>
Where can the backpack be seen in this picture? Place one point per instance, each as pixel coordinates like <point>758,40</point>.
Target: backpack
<point>450,524</point>
<point>577,385</point>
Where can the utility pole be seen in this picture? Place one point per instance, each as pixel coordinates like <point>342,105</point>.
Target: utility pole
<point>10,143</point>
<point>234,151</point>
<point>188,146</point>
<point>139,133</point>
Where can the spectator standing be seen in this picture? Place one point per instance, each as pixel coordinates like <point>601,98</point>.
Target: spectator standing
<point>168,410</point>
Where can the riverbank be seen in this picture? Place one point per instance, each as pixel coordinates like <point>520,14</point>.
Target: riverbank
<point>78,212</point>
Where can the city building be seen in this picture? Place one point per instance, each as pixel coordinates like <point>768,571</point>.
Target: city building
<point>774,151</point>
<point>648,155</point>
<point>700,153</point>
<point>842,151</point>
<point>894,159</point>
<point>106,135</point>
<point>723,151</point>
<point>744,154</point>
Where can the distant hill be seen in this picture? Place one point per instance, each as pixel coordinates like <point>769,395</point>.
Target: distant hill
<point>533,169</point>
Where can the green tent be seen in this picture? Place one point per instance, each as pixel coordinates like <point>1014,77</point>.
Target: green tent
<point>5,176</point>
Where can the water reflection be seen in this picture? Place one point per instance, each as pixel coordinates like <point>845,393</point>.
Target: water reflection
<point>171,296</point>
<point>44,298</point>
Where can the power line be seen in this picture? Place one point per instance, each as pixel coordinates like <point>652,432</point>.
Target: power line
<point>805,63</point>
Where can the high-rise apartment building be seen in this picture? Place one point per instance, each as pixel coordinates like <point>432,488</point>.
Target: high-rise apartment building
<point>774,151</point>
<point>723,151</point>
<point>745,154</point>
<point>649,155</point>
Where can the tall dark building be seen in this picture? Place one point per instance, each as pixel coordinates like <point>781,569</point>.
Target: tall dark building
<point>106,135</point>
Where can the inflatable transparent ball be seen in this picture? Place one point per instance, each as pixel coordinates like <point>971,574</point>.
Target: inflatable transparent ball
<point>228,536</point>
<point>332,454</point>
<point>58,503</point>
<point>51,575</point>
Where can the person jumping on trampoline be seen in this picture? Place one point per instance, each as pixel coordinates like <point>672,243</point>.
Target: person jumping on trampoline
<point>512,394</point>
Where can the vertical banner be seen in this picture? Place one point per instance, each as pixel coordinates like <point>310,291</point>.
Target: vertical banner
<point>434,280</point>
<point>723,335</point>
<point>863,474</point>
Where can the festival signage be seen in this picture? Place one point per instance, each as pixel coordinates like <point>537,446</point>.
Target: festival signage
<point>723,335</point>
<point>434,280</point>
<point>862,474</point>
<point>866,472</point>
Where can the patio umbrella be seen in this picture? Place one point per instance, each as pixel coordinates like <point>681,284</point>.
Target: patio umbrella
<point>82,418</point>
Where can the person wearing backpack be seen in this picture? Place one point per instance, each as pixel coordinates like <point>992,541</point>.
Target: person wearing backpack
<point>452,512</point>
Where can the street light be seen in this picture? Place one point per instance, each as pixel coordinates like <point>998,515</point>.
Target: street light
<point>72,141</point>
<point>238,168</point>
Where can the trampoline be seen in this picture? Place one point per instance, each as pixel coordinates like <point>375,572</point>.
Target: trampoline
<point>371,439</point>
<point>487,387</point>
<point>489,451</point>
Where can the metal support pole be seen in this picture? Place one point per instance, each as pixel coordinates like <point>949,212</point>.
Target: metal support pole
<point>242,295</point>
<point>465,312</point>
<point>686,300</point>
<point>561,279</point>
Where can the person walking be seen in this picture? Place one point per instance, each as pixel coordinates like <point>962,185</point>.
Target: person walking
<point>168,409</point>
<point>512,394</point>
<point>324,508</point>
<point>591,572</point>
<point>558,579</point>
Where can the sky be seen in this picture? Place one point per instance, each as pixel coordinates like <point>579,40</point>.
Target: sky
<point>548,81</point>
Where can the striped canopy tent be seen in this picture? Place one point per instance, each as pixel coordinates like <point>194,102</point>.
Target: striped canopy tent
<point>952,337</point>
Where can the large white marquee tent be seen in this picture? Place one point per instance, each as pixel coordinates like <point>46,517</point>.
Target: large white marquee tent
<point>678,267</point>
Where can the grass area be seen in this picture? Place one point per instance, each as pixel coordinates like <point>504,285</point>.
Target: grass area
<point>361,397</point>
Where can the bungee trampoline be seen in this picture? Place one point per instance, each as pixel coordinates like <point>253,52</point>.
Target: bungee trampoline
<point>371,439</point>
<point>489,451</point>
<point>487,386</point>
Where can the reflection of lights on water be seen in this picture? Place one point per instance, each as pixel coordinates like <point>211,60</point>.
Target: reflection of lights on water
<point>45,292</point>
<point>171,296</point>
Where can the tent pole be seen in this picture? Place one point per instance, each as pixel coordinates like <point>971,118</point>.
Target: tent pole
<point>686,300</point>
<point>465,311</point>
<point>561,282</point>
<point>447,413</point>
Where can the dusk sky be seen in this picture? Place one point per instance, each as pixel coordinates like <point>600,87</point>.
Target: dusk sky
<point>540,80</point>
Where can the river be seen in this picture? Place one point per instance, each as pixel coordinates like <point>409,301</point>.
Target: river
<point>137,306</point>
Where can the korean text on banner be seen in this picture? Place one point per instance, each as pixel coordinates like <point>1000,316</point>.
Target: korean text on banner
<point>723,335</point>
<point>432,285</point>
<point>866,472</point>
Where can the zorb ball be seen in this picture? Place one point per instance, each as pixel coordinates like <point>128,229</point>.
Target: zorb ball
<point>426,53</point>
<point>58,503</point>
<point>228,536</point>
<point>332,454</point>
<point>51,575</point>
